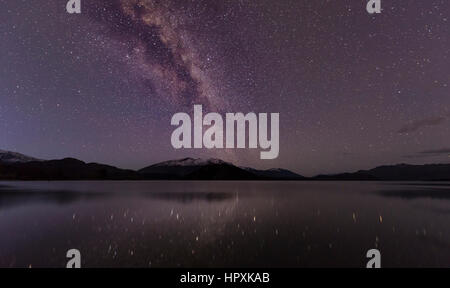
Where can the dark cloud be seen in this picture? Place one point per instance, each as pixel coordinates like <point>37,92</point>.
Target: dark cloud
<point>417,125</point>
<point>436,151</point>
<point>430,153</point>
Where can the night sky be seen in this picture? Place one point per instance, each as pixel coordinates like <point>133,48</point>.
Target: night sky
<point>353,90</point>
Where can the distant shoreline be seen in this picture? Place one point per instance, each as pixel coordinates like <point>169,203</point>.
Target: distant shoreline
<point>16,166</point>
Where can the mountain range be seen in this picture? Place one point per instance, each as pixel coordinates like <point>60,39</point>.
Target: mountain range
<point>16,166</point>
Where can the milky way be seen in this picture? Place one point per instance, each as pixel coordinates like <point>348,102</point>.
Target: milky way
<point>161,48</point>
<point>353,90</point>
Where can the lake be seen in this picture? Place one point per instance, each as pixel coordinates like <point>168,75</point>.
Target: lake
<point>224,224</point>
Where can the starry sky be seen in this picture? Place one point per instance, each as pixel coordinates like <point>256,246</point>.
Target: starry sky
<point>353,90</point>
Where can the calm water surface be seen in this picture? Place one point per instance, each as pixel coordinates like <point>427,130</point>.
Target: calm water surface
<point>224,224</point>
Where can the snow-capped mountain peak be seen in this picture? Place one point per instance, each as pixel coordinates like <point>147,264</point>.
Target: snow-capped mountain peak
<point>191,162</point>
<point>14,157</point>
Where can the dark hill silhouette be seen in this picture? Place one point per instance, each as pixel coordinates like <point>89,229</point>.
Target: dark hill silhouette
<point>222,171</point>
<point>407,172</point>
<point>211,169</point>
<point>400,172</point>
<point>65,169</point>
<point>357,176</point>
<point>278,173</point>
<point>175,169</point>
